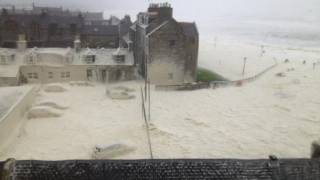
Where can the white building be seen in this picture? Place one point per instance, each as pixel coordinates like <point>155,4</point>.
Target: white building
<point>49,65</point>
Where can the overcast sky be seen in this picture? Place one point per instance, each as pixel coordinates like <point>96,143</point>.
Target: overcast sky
<point>200,10</point>
<point>215,16</point>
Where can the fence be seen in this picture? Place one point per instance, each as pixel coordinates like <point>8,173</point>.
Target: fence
<point>213,84</point>
<point>217,84</point>
<point>221,169</point>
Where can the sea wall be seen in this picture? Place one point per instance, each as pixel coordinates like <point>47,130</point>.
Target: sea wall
<point>12,120</point>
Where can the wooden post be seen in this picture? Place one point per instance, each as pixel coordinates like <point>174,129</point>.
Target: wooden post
<point>145,77</point>
<point>149,98</point>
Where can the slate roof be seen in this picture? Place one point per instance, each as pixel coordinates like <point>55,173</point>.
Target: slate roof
<point>110,30</point>
<point>189,29</point>
<point>27,19</point>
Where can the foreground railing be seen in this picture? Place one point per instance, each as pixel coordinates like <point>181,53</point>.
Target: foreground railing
<point>273,169</point>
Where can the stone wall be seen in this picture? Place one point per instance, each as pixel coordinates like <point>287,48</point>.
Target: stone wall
<point>192,44</point>
<point>167,55</point>
<point>139,48</point>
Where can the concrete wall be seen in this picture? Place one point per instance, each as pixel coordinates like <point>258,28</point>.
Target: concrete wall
<point>10,123</point>
<point>167,55</point>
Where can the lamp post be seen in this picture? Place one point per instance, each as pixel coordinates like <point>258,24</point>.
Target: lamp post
<point>244,65</point>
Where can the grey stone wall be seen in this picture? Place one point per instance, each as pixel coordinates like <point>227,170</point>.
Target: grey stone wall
<point>192,49</point>
<point>167,55</point>
<point>139,48</point>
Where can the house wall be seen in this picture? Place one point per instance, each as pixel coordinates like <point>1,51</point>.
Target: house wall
<point>192,45</point>
<point>167,55</point>
<point>53,74</point>
<point>139,48</point>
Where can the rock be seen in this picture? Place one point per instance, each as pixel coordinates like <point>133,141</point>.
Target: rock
<point>42,112</point>
<point>111,151</point>
<point>315,149</point>
<point>54,89</point>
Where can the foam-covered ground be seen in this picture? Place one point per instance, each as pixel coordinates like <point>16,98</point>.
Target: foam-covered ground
<point>273,115</point>
<point>226,57</point>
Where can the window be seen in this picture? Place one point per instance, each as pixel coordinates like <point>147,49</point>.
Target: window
<point>33,75</point>
<point>119,58</point>
<point>30,60</point>
<point>172,43</point>
<point>63,75</point>
<point>193,40</point>
<point>50,75</point>
<point>170,76</point>
<point>89,73</point>
<point>90,59</point>
<point>30,75</point>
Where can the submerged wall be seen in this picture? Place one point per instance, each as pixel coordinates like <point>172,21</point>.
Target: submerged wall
<point>12,120</point>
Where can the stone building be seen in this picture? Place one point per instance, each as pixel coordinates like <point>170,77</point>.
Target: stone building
<point>51,65</point>
<point>166,51</point>
<point>156,46</point>
<point>55,27</point>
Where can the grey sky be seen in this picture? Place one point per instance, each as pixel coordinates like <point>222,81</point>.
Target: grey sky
<point>254,18</point>
<point>198,9</point>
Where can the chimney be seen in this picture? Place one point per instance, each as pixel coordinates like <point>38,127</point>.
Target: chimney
<point>77,44</point>
<point>161,12</point>
<point>21,43</point>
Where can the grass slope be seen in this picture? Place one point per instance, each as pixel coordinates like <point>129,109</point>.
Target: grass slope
<point>205,75</point>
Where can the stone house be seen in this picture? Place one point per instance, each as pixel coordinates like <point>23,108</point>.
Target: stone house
<point>51,65</point>
<point>166,51</point>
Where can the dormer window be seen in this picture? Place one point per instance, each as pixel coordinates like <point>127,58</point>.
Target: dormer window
<point>90,59</point>
<point>119,58</point>
<point>31,60</point>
